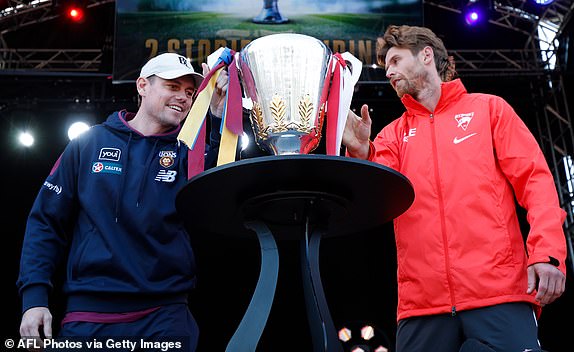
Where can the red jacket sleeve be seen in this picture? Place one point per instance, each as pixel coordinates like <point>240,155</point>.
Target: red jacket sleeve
<point>523,163</point>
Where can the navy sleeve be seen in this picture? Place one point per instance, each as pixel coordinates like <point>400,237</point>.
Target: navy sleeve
<point>47,230</point>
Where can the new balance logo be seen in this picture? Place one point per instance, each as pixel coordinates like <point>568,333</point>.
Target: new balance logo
<point>166,175</point>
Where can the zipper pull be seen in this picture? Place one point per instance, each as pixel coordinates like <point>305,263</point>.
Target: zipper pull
<point>431,118</point>
<point>453,311</point>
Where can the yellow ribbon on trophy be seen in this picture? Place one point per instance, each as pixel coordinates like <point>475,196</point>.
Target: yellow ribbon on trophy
<point>194,127</point>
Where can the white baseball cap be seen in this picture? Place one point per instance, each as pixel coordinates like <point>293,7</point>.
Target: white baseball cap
<point>170,66</point>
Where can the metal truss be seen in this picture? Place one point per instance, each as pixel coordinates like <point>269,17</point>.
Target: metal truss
<point>519,15</point>
<point>516,15</point>
<point>500,62</point>
<point>555,130</point>
<point>469,63</point>
<point>19,14</point>
<point>556,138</point>
<point>22,13</point>
<point>522,16</point>
<point>50,60</point>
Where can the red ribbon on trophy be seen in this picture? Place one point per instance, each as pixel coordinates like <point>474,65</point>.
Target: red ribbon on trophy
<point>194,129</point>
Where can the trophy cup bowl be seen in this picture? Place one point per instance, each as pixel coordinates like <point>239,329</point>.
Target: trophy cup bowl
<point>285,76</point>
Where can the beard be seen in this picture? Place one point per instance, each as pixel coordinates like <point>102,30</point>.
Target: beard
<point>413,85</point>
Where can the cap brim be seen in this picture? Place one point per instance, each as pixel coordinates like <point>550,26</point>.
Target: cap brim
<point>198,78</point>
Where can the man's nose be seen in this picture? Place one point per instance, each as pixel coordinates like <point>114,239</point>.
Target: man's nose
<point>182,95</point>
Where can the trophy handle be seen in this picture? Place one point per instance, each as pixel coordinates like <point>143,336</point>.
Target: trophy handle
<point>355,67</point>
<point>246,101</point>
<point>351,75</point>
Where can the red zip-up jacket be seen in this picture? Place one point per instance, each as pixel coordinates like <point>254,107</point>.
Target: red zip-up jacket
<point>459,245</point>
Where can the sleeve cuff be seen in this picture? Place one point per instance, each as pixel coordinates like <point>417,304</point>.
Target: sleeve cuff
<point>554,261</point>
<point>548,259</point>
<point>35,296</point>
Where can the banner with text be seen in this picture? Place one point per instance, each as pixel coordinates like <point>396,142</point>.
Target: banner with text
<point>145,28</point>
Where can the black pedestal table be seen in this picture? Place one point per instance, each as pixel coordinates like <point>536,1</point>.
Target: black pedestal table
<point>292,197</point>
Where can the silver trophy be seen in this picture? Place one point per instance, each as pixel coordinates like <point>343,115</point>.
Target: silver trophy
<point>285,76</point>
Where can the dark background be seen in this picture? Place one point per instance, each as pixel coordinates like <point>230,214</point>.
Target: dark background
<point>359,272</point>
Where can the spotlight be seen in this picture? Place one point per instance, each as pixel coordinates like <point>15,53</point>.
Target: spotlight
<point>345,334</point>
<point>76,129</point>
<point>476,12</point>
<point>26,139</point>
<point>363,337</point>
<point>472,16</point>
<point>75,12</point>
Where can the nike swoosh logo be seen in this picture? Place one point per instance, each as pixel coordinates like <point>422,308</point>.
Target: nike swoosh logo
<point>457,140</point>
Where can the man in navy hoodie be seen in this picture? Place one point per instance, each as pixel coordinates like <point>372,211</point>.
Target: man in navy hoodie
<point>108,208</point>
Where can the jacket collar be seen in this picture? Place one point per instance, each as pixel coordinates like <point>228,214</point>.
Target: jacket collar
<point>450,92</point>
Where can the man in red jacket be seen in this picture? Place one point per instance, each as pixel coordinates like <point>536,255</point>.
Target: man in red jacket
<point>463,272</point>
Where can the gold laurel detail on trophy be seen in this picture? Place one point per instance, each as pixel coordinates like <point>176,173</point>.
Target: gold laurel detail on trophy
<point>305,111</point>
<point>278,109</point>
<point>257,117</point>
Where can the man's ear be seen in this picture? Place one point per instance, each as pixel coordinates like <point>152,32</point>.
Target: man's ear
<point>428,54</point>
<point>142,85</point>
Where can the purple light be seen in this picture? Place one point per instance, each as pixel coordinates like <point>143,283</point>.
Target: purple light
<point>472,17</point>
<point>476,12</point>
<point>543,2</point>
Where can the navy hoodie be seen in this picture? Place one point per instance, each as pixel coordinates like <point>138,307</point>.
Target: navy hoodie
<point>108,208</point>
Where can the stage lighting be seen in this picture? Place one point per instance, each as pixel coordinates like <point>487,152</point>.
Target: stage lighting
<point>345,334</point>
<point>26,139</point>
<point>476,12</point>
<point>75,12</point>
<point>76,129</point>
<point>367,338</point>
<point>367,332</point>
<point>543,2</point>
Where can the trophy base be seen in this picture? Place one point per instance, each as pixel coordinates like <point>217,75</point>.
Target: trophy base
<point>289,143</point>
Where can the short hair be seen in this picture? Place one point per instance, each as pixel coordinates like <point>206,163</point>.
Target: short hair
<point>139,99</point>
<point>415,39</point>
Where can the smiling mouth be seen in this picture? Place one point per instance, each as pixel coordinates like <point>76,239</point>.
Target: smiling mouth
<point>176,108</point>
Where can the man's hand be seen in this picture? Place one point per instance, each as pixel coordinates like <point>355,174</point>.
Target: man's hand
<point>218,99</point>
<point>551,282</point>
<point>33,320</point>
<point>357,133</point>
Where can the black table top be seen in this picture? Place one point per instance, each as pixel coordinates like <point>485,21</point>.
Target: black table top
<point>343,195</point>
